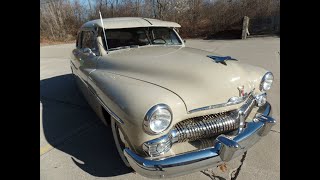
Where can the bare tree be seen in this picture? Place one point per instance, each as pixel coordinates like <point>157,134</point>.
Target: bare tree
<point>60,19</point>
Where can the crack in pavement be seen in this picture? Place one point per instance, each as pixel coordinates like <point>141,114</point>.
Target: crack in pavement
<point>275,131</point>
<point>237,171</point>
<point>234,173</point>
<point>212,176</point>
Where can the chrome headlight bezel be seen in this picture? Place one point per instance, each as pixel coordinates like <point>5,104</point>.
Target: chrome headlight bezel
<point>150,113</point>
<point>261,99</point>
<point>263,80</point>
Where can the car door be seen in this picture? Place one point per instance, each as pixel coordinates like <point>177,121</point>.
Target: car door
<point>86,55</point>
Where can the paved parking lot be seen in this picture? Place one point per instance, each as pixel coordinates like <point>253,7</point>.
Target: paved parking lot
<point>74,144</point>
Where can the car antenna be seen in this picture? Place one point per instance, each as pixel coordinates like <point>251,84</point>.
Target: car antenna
<point>104,32</point>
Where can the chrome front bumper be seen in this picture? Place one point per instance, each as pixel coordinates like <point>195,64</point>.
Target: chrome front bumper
<point>225,149</point>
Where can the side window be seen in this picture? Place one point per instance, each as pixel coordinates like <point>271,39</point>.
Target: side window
<point>89,41</point>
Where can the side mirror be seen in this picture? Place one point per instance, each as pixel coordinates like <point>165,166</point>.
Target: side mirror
<point>184,41</point>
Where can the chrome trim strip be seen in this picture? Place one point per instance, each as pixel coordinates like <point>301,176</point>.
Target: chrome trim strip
<point>109,111</point>
<point>229,103</point>
<point>93,92</point>
<point>73,65</point>
<point>225,149</point>
<point>91,72</point>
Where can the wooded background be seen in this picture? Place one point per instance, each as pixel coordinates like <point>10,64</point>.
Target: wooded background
<point>61,19</point>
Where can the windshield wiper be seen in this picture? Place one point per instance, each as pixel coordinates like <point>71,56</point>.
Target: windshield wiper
<point>124,47</point>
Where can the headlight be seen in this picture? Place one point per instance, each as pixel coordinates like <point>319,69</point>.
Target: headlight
<point>266,82</point>
<point>158,119</point>
<point>261,99</point>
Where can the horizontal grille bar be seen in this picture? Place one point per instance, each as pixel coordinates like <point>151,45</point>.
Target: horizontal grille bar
<point>212,125</point>
<point>206,126</point>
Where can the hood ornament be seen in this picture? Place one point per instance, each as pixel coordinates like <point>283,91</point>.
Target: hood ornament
<point>221,59</point>
<point>240,98</point>
<point>241,91</point>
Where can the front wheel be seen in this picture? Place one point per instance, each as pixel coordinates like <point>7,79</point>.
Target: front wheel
<point>119,141</point>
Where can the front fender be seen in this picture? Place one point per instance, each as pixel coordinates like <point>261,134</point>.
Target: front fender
<point>130,99</point>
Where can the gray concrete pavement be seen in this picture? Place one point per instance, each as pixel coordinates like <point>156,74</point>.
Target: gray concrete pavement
<point>74,144</point>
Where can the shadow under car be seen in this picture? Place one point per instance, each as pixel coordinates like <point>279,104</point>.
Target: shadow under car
<point>70,125</point>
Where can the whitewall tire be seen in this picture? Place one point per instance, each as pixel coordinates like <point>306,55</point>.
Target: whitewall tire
<point>119,141</point>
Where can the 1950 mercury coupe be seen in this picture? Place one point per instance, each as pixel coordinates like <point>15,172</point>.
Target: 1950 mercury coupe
<point>174,110</point>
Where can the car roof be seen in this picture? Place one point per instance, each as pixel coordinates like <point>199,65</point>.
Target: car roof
<point>129,22</point>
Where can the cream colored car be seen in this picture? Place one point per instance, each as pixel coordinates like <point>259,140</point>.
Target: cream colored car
<point>174,110</point>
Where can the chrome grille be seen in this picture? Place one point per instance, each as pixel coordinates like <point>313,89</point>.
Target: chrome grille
<point>206,126</point>
<point>201,128</point>
<point>213,124</point>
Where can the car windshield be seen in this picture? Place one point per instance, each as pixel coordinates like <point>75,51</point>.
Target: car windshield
<point>163,35</point>
<point>134,37</point>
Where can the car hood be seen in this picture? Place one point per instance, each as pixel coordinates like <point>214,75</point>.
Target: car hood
<point>189,73</point>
